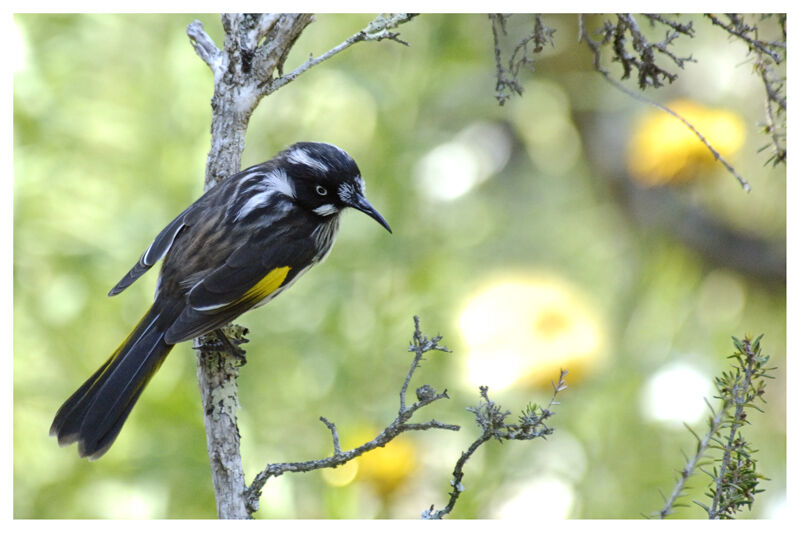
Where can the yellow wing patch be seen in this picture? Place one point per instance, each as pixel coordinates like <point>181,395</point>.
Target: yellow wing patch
<point>267,285</point>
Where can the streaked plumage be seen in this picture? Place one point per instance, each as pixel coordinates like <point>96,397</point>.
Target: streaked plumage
<point>238,246</point>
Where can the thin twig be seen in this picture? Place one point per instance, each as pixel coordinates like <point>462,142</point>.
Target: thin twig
<point>508,76</point>
<point>594,46</point>
<point>458,475</point>
<point>205,48</point>
<point>768,54</point>
<point>491,418</point>
<point>377,30</point>
<point>337,449</point>
<point>691,464</point>
<point>685,29</point>
<point>738,29</point>
<point>419,345</point>
<point>772,124</point>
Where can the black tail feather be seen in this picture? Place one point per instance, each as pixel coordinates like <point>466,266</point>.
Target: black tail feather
<point>93,416</point>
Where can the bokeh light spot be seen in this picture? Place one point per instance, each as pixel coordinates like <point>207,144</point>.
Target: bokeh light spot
<point>452,169</point>
<point>19,48</point>
<point>385,469</point>
<point>551,497</point>
<point>63,299</point>
<point>721,297</point>
<point>543,120</point>
<point>664,150</point>
<point>525,330</point>
<point>551,324</point>
<point>117,500</point>
<point>341,475</point>
<point>675,393</point>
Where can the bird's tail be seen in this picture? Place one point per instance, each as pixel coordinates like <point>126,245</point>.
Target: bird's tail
<point>93,416</point>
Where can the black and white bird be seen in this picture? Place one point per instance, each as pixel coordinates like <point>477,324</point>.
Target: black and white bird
<point>237,247</point>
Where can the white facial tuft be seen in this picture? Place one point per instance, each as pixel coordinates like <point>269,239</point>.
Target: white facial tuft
<point>299,156</point>
<point>278,180</point>
<point>347,191</point>
<point>326,210</point>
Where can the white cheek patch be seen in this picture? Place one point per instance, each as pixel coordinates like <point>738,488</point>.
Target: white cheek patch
<point>298,156</point>
<point>326,210</point>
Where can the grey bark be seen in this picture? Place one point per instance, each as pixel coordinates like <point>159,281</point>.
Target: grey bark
<point>240,72</point>
<point>249,67</point>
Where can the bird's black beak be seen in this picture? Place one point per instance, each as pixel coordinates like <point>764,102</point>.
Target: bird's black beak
<point>361,203</point>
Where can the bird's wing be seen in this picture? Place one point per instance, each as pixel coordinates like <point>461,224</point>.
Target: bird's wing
<point>155,252</point>
<point>255,272</point>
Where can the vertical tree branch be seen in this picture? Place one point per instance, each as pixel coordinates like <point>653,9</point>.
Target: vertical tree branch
<point>242,69</point>
<point>235,98</point>
<point>244,72</point>
<point>217,375</point>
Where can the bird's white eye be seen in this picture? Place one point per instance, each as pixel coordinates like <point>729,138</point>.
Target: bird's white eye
<point>322,191</point>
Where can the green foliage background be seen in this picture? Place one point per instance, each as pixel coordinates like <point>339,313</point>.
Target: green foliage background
<point>111,131</point>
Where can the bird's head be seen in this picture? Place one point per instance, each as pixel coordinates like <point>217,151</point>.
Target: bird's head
<point>326,180</point>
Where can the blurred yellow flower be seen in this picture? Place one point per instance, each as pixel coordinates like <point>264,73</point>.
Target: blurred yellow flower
<point>384,469</point>
<point>523,331</point>
<point>663,150</point>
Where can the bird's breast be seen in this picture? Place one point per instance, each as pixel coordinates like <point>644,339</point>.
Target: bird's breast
<point>324,235</point>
